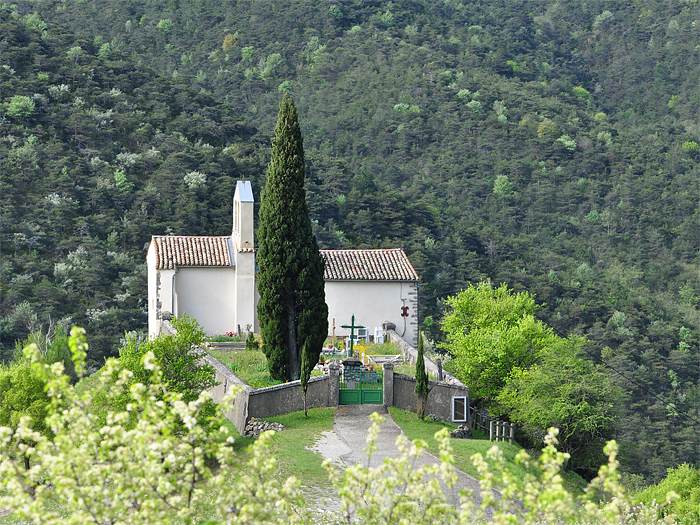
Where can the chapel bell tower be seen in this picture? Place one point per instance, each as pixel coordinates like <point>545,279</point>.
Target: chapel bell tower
<point>245,293</point>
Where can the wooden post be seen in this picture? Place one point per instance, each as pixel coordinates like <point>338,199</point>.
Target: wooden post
<point>491,430</point>
<point>512,433</point>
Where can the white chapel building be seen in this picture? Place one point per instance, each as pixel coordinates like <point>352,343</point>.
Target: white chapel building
<point>212,279</point>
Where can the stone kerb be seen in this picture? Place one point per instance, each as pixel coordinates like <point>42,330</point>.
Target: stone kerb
<point>226,345</point>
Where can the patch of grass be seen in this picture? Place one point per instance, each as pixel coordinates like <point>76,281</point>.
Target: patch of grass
<point>409,370</point>
<point>289,446</point>
<point>464,449</point>
<point>225,338</point>
<point>387,348</point>
<point>250,366</point>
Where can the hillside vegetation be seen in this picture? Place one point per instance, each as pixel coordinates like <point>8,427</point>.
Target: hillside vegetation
<point>548,145</point>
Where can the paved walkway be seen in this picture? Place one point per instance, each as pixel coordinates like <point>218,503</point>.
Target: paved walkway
<point>343,445</point>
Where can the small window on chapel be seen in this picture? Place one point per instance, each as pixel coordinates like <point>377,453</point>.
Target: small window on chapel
<point>459,409</point>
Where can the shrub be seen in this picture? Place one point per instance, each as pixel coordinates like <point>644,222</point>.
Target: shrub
<point>20,107</point>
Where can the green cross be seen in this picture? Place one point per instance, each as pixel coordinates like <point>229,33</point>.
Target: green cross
<point>352,327</point>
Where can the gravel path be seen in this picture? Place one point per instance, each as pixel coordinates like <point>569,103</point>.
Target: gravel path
<point>343,445</point>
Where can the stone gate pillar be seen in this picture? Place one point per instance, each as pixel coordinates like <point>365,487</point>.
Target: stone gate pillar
<point>333,383</point>
<point>388,384</point>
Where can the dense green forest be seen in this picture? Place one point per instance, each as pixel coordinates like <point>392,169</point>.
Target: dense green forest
<point>549,145</point>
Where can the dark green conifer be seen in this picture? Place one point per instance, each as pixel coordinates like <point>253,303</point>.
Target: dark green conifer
<point>422,386</point>
<point>292,309</point>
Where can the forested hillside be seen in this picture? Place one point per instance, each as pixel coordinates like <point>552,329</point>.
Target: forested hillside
<point>96,155</point>
<point>549,145</point>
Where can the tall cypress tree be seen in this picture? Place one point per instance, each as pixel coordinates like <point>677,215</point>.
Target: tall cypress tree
<point>422,385</point>
<point>292,308</point>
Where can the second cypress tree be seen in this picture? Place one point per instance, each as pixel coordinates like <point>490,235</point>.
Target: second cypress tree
<point>292,308</point>
<point>422,385</point>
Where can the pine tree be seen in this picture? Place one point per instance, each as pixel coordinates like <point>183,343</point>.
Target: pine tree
<point>422,387</point>
<point>292,308</point>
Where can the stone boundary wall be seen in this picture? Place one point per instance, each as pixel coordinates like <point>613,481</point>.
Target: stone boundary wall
<point>239,412</point>
<point>272,400</point>
<point>410,355</point>
<point>269,401</point>
<point>439,398</point>
<point>287,397</point>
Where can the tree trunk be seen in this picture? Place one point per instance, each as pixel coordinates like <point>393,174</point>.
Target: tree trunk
<point>421,406</point>
<point>293,357</point>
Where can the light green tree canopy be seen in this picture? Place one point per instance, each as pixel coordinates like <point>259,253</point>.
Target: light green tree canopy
<point>569,393</point>
<point>490,331</point>
<point>178,356</point>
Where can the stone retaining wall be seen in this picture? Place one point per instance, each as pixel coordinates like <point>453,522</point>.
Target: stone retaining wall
<point>272,400</point>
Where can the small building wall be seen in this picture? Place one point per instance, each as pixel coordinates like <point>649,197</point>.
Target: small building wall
<point>372,303</point>
<point>244,294</point>
<point>205,294</point>
<point>160,297</point>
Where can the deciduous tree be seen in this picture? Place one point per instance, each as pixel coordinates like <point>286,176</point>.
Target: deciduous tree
<point>569,393</point>
<point>490,331</point>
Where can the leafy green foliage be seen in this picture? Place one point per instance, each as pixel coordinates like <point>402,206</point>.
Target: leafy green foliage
<point>569,393</point>
<point>22,394</point>
<point>678,493</point>
<point>521,368</point>
<point>490,332</point>
<point>154,474</point>
<point>80,201</point>
<point>178,356</point>
<point>434,170</point>
<point>20,107</point>
<point>292,308</point>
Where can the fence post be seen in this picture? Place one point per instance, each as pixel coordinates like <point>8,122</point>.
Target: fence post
<point>491,429</point>
<point>512,432</point>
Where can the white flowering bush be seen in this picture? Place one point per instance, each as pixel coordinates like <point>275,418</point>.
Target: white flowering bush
<point>149,474</point>
<point>195,179</point>
<point>169,468</point>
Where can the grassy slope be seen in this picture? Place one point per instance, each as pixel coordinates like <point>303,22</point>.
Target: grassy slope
<point>464,449</point>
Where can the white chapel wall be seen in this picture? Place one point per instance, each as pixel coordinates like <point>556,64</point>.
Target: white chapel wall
<point>207,295</point>
<point>372,303</point>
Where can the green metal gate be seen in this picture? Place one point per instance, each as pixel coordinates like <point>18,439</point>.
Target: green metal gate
<point>361,388</point>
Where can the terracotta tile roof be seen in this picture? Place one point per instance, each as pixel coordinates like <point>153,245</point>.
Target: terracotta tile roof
<point>368,265</point>
<point>173,251</point>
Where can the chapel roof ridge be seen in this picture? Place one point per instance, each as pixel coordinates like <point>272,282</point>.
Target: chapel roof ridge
<point>173,251</point>
<point>382,264</point>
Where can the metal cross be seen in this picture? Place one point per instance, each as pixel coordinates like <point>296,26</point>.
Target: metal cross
<point>352,327</point>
